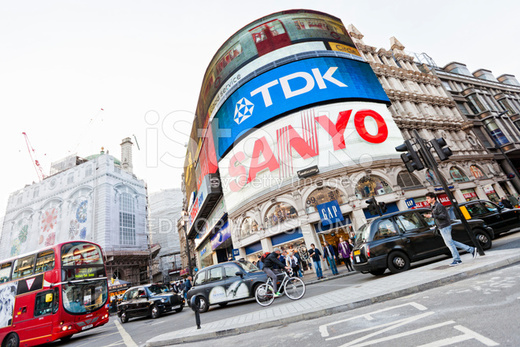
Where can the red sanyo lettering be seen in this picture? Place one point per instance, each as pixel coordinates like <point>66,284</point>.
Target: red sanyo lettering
<point>263,157</point>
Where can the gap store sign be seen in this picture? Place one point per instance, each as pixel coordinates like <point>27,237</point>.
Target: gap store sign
<point>290,87</point>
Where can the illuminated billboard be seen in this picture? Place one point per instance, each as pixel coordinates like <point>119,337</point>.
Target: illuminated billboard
<point>262,37</point>
<point>290,87</point>
<point>330,137</point>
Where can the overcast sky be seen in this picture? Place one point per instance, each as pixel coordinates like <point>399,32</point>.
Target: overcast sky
<point>80,75</point>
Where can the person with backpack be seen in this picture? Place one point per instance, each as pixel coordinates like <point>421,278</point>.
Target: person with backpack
<point>271,262</point>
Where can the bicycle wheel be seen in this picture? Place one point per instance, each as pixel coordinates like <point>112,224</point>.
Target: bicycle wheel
<point>294,288</point>
<point>264,295</point>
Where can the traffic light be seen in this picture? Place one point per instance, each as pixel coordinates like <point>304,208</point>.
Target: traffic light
<point>411,159</point>
<point>443,153</point>
<point>372,206</point>
<point>382,207</point>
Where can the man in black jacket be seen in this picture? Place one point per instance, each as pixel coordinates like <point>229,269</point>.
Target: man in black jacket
<point>443,222</point>
<point>271,262</point>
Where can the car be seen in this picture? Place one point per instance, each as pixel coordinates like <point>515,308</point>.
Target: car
<point>395,240</point>
<point>501,219</point>
<point>150,300</point>
<point>225,282</point>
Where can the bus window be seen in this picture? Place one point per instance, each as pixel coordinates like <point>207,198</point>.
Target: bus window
<point>45,261</point>
<point>56,304</point>
<point>24,266</point>
<point>79,253</point>
<point>43,303</point>
<point>5,272</point>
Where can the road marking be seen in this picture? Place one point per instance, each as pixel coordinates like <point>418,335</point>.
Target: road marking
<point>468,335</point>
<point>127,339</point>
<point>368,316</point>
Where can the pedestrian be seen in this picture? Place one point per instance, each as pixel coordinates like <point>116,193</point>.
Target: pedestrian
<point>443,222</point>
<point>260,263</point>
<point>506,203</point>
<point>272,262</point>
<point>316,259</point>
<point>187,286</point>
<point>283,256</point>
<point>513,200</point>
<point>300,264</point>
<point>330,255</point>
<point>293,263</point>
<point>344,250</point>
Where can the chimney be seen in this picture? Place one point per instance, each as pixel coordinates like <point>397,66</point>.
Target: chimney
<point>126,154</point>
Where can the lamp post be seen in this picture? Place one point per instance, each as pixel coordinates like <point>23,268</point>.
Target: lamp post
<point>184,223</point>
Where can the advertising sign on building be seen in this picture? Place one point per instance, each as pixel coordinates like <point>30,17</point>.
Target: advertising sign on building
<point>330,137</point>
<point>330,212</point>
<point>291,87</point>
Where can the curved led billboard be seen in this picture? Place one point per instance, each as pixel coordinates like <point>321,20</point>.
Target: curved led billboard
<point>329,137</point>
<point>290,87</point>
<point>262,37</point>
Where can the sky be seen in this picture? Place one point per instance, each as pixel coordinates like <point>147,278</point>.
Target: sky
<point>76,76</point>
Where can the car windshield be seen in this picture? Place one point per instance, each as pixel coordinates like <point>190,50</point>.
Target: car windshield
<point>247,266</point>
<point>362,233</point>
<point>157,289</point>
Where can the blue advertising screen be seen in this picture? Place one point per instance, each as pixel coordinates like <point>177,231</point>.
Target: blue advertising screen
<point>289,87</point>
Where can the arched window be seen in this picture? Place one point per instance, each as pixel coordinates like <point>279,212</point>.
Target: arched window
<point>372,185</point>
<point>279,213</point>
<point>458,175</point>
<point>126,219</point>
<point>476,171</point>
<point>407,180</point>
<point>432,179</point>
<point>249,226</point>
<point>323,195</point>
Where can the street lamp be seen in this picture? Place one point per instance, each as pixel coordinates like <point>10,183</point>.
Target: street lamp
<point>184,222</point>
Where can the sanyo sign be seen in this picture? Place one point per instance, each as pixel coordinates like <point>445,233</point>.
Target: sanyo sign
<point>290,87</point>
<point>346,134</point>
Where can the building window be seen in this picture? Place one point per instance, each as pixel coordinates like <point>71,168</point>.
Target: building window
<point>126,219</point>
<point>495,132</point>
<point>323,195</point>
<point>476,172</point>
<point>431,178</point>
<point>279,213</point>
<point>477,103</point>
<point>407,180</point>
<point>462,108</point>
<point>249,226</point>
<point>372,185</point>
<point>446,85</point>
<point>458,175</point>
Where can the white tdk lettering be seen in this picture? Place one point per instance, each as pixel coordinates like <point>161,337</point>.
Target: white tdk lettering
<point>309,84</point>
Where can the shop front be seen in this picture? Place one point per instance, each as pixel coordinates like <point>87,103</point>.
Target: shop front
<point>221,243</point>
<point>253,251</point>
<point>206,255</point>
<point>490,193</point>
<point>469,194</point>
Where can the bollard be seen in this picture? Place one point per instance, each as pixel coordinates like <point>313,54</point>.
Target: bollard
<point>195,305</point>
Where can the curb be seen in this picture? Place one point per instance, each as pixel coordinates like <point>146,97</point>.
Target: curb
<point>341,308</point>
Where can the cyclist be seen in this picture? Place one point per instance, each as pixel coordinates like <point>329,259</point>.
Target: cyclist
<point>271,262</point>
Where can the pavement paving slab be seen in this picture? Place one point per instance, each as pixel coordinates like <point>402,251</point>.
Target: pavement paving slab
<point>344,299</point>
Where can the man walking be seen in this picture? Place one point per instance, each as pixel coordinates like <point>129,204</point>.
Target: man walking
<point>271,262</point>
<point>316,259</point>
<point>345,249</point>
<point>331,257</point>
<point>443,222</point>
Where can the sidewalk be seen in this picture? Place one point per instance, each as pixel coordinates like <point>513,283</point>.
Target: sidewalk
<point>382,289</point>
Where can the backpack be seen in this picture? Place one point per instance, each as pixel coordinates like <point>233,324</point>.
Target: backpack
<point>265,255</point>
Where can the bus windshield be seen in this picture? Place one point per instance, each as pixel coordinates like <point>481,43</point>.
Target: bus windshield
<point>84,297</point>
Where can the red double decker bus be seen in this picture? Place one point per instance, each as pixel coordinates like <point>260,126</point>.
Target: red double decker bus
<point>52,294</point>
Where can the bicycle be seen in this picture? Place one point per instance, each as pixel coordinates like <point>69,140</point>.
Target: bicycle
<point>291,286</point>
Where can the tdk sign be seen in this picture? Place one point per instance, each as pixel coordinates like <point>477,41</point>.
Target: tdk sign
<point>289,87</point>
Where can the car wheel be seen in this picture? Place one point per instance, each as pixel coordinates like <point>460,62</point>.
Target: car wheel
<point>154,312</point>
<point>11,340</point>
<point>483,238</point>
<point>123,317</point>
<point>398,262</point>
<point>179,309</point>
<point>203,304</point>
<point>377,272</point>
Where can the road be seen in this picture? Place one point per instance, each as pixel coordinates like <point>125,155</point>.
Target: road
<point>137,331</point>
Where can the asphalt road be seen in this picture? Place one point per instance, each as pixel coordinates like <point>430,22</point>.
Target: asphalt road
<point>137,331</point>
